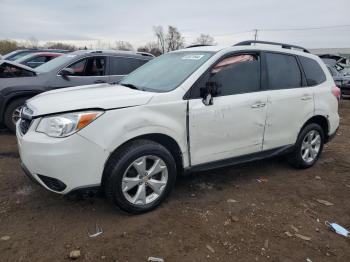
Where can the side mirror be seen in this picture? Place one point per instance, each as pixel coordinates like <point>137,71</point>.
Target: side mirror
<point>207,93</point>
<point>65,72</point>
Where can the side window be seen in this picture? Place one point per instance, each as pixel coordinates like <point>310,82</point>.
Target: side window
<point>91,66</point>
<point>38,59</point>
<point>236,74</point>
<point>125,65</point>
<point>48,58</point>
<point>95,66</point>
<point>78,67</point>
<point>313,71</point>
<point>283,71</point>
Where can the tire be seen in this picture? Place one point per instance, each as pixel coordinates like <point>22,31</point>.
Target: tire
<point>300,158</point>
<point>128,163</point>
<point>10,110</point>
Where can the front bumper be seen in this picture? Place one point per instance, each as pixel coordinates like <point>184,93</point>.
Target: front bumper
<point>61,165</point>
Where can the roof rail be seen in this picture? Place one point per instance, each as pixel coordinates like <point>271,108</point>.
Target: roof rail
<point>145,54</point>
<point>197,45</point>
<point>287,46</point>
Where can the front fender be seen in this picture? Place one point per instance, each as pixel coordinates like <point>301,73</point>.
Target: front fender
<point>116,127</point>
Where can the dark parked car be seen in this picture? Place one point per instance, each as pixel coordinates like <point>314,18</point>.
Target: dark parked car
<point>37,59</point>
<point>341,80</point>
<point>335,65</point>
<point>19,82</point>
<point>23,52</point>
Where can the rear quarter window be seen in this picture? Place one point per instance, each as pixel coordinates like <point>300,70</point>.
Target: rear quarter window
<point>313,71</point>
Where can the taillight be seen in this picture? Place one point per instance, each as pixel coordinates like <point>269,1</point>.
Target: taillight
<point>336,92</point>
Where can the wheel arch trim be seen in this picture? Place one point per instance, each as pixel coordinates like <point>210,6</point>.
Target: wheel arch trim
<point>165,140</point>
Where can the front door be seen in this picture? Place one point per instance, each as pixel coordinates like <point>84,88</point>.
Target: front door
<point>86,71</point>
<point>233,125</point>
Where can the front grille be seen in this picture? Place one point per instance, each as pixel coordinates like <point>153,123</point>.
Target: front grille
<point>24,125</point>
<point>53,183</point>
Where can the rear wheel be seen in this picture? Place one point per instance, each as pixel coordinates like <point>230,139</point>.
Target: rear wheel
<point>308,147</point>
<point>12,113</point>
<point>139,176</point>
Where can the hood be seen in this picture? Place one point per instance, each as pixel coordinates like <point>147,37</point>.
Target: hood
<point>18,65</point>
<point>103,96</point>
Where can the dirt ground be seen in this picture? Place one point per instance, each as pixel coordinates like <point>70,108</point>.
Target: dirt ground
<point>221,215</point>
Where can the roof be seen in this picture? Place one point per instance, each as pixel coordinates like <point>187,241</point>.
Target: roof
<point>267,47</point>
<point>113,52</point>
<point>42,50</point>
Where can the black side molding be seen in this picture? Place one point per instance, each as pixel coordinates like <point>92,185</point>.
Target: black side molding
<point>241,159</point>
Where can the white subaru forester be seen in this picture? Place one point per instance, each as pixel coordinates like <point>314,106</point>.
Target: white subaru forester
<point>198,108</point>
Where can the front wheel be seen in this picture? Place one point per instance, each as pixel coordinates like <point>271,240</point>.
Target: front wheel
<point>13,113</point>
<point>139,176</point>
<point>308,147</point>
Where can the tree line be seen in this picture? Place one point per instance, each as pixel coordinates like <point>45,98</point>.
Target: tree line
<point>165,41</point>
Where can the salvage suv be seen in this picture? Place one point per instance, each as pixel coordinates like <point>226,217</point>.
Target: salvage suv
<point>194,109</point>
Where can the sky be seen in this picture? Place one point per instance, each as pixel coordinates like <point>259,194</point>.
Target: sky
<point>84,22</point>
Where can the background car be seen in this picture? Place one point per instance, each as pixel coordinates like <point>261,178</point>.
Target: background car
<point>37,59</point>
<point>84,67</point>
<point>335,65</point>
<point>23,52</point>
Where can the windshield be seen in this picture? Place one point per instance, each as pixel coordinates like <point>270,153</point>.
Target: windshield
<point>167,72</point>
<point>54,63</point>
<point>24,58</point>
<point>14,56</point>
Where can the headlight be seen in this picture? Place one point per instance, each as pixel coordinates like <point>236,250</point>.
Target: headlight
<point>66,124</point>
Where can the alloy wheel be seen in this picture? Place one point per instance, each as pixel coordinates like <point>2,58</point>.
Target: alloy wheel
<point>144,180</point>
<point>311,145</point>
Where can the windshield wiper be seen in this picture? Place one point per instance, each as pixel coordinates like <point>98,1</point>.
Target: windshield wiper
<point>131,86</point>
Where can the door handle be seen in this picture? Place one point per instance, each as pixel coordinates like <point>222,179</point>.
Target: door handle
<point>258,104</point>
<point>306,97</point>
<point>99,82</point>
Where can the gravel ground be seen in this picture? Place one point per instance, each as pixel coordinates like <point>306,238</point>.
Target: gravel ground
<point>221,215</point>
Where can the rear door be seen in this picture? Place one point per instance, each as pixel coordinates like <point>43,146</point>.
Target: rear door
<point>120,66</point>
<point>290,101</point>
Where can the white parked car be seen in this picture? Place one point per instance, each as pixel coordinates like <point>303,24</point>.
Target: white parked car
<point>189,110</point>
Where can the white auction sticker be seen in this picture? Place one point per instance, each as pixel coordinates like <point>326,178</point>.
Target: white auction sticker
<point>192,57</point>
